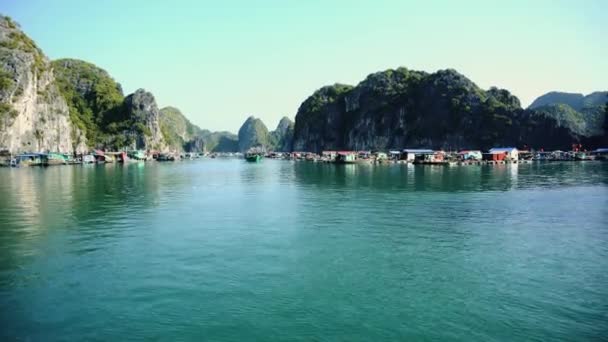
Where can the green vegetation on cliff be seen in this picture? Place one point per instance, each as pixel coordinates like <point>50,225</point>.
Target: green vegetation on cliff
<point>17,40</point>
<point>6,110</point>
<point>220,141</point>
<point>565,116</point>
<point>281,138</point>
<point>404,108</point>
<point>177,130</point>
<point>6,81</point>
<point>95,100</point>
<point>582,114</point>
<point>253,133</point>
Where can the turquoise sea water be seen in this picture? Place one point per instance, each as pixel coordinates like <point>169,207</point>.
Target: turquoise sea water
<point>231,251</point>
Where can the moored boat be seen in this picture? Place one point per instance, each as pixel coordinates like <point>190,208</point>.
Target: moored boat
<point>255,154</point>
<point>165,157</point>
<point>582,156</point>
<point>28,159</point>
<point>137,155</point>
<point>51,159</point>
<point>253,157</point>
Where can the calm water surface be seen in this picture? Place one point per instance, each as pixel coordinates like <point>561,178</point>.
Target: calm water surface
<point>225,250</point>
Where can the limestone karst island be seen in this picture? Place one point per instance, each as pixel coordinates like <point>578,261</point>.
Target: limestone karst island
<point>306,171</point>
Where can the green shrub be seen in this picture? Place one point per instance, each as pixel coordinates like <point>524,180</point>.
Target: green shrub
<point>6,81</point>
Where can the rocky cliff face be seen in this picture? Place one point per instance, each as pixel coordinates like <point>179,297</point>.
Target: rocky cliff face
<point>220,141</point>
<point>581,114</point>
<point>178,132</point>
<point>98,107</point>
<point>94,99</point>
<point>253,133</point>
<point>403,108</point>
<point>142,110</point>
<point>33,114</point>
<point>320,119</point>
<point>282,137</point>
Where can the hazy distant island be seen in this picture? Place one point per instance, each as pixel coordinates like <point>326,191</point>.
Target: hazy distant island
<point>72,106</point>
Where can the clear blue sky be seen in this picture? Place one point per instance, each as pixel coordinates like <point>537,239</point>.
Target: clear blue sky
<point>220,61</point>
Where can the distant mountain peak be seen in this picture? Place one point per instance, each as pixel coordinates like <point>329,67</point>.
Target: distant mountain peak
<point>577,101</point>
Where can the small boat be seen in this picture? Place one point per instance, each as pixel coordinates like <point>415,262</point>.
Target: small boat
<point>50,159</point>
<point>581,156</point>
<point>166,157</point>
<point>253,157</point>
<point>137,155</point>
<point>255,154</point>
<point>88,159</point>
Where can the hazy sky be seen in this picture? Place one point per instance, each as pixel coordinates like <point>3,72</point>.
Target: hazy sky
<point>220,61</point>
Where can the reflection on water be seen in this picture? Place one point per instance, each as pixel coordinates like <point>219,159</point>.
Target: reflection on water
<point>442,178</point>
<point>228,250</point>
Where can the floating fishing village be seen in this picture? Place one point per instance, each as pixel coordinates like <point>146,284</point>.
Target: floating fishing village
<point>494,156</point>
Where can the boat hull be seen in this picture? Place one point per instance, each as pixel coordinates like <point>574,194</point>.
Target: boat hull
<point>253,159</point>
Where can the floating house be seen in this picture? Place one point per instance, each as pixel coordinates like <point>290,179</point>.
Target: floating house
<point>600,154</point>
<point>525,155</point>
<point>28,159</point>
<point>346,157</point>
<point>511,153</point>
<point>470,155</point>
<point>437,157</point>
<point>119,157</point>
<point>364,154</point>
<point>394,154</point>
<point>496,156</point>
<point>297,155</point>
<point>88,159</point>
<point>381,156</point>
<point>102,157</point>
<point>329,155</point>
<point>411,154</point>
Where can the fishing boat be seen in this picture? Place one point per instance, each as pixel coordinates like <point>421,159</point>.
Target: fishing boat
<point>253,157</point>
<point>255,154</point>
<point>166,157</point>
<point>51,159</point>
<point>581,156</point>
<point>119,157</point>
<point>137,155</point>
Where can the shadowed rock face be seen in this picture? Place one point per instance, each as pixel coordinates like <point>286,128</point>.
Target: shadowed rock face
<point>33,114</point>
<point>282,137</point>
<point>403,108</point>
<point>196,144</point>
